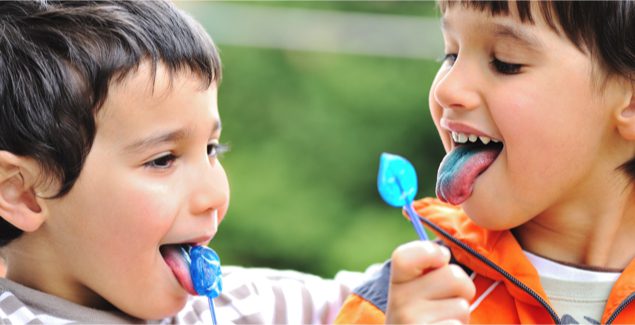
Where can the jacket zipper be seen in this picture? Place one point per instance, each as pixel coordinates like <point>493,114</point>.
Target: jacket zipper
<point>621,307</point>
<point>510,277</point>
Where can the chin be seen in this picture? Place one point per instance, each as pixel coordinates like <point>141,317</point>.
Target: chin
<point>488,216</point>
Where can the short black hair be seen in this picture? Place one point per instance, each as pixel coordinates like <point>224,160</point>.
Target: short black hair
<point>604,29</point>
<point>57,59</point>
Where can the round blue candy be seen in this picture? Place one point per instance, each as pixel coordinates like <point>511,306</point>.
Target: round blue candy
<point>396,180</point>
<point>205,271</point>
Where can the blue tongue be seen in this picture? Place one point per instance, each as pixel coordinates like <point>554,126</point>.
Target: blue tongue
<point>460,168</point>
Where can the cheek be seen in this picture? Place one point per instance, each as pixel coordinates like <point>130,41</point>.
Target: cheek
<point>148,211</point>
<point>135,216</point>
<point>549,145</point>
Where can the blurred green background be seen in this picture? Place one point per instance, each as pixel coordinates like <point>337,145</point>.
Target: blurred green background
<point>306,127</point>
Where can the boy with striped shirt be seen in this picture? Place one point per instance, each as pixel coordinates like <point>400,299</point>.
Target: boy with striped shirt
<point>109,138</point>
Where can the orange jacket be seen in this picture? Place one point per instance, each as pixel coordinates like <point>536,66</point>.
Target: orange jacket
<point>507,284</point>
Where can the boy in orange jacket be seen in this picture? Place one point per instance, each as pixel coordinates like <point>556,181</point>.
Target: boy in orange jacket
<point>535,105</point>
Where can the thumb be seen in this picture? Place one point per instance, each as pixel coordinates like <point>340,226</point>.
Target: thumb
<point>413,259</point>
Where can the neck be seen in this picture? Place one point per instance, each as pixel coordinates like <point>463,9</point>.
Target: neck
<point>595,234</point>
<point>30,265</point>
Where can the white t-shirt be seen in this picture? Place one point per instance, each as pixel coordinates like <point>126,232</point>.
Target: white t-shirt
<point>577,295</point>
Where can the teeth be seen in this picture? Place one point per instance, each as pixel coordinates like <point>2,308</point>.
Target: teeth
<point>464,138</point>
<point>484,139</point>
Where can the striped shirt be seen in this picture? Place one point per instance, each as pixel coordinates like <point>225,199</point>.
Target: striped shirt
<point>250,296</point>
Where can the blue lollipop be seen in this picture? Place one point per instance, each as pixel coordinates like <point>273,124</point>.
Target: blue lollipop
<point>397,185</point>
<point>206,274</point>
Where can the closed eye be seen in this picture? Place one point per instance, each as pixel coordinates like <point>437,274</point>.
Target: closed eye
<point>163,162</point>
<point>506,67</point>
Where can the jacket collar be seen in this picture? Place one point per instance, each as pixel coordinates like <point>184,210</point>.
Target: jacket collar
<point>451,224</point>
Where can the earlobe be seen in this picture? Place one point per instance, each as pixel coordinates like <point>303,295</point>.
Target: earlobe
<point>626,117</point>
<point>18,202</point>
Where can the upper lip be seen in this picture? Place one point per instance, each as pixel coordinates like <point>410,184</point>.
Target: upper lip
<point>206,237</point>
<point>201,240</point>
<point>459,127</point>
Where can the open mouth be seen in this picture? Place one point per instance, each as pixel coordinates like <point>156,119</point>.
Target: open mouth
<point>177,257</point>
<point>469,158</point>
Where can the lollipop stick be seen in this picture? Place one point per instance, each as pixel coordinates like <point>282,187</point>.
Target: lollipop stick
<point>211,309</point>
<point>414,218</point>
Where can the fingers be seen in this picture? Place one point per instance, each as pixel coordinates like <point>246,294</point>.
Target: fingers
<point>447,281</point>
<point>411,260</point>
<point>425,288</point>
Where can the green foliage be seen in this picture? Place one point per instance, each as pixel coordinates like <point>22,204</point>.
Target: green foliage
<point>306,131</point>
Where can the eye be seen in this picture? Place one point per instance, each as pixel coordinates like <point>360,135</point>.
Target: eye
<point>450,58</point>
<point>505,67</point>
<point>162,162</point>
<point>216,149</point>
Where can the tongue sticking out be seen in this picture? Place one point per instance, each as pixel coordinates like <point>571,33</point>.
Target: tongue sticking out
<point>178,259</point>
<point>460,168</point>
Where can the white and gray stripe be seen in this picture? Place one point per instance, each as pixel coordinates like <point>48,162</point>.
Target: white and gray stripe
<point>250,296</point>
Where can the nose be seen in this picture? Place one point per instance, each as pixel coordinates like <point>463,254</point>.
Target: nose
<point>456,87</point>
<point>210,191</point>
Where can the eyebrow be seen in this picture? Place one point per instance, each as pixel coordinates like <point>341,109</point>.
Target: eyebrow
<point>507,31</point>
<point>165,137</point>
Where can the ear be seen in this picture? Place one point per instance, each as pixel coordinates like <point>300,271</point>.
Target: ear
<point>18,202</point>
<point>626,116</point>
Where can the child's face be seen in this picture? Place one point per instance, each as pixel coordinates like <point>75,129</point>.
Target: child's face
<point>151,178</point>
<point>533,90</point>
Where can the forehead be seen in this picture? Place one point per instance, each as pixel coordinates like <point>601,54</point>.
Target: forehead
<point>148,86</point>
<point>500,27</point>
<point>147,102</point>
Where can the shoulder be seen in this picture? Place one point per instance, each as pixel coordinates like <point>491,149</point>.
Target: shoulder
<point>23,305</point>
<point>13,308</point>
<point>15,311</point>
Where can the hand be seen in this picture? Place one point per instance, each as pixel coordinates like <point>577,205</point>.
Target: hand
<point>425,288</point>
